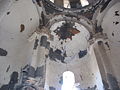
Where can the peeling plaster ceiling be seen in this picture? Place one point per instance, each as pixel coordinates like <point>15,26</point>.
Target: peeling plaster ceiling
<point>71,46</point>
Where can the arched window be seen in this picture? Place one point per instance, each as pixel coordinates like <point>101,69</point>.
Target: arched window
<point>73,3</point>
<point>52,1</point>
<point>68,81</point>
<point>66,4</point>
<point>84,3</point>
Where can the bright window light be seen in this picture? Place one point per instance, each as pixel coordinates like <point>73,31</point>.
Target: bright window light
<point>84,2</point>
<point>52,1</point>
<point>66,4</point>
<point>68,81</point>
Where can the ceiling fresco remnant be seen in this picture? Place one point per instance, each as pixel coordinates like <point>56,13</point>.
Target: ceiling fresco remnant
<point>66,31</point>
<point>64,47</point>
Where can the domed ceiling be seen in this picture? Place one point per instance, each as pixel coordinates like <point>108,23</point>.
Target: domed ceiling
<point>69,40</point>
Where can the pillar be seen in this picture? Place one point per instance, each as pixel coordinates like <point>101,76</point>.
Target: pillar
<point>41,63</point>
<point>105,66</point>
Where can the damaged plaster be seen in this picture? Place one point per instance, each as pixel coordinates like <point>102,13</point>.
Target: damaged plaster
<point>3,52</point>
<point>63,44</point>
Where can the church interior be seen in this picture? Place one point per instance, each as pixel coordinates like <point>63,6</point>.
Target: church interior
<point>59,44</point>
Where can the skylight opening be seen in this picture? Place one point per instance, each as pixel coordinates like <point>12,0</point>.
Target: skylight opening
<point>84,3</point>
<point>66,4</point>
<point>52,1</point>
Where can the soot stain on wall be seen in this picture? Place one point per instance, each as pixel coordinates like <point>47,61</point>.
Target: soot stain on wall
<point>113,34</point>
<point>38,2</point>
<point>3,52</point>
<point>82,53</point>
<point>91,88</point>
<point>52,88</point>
<point>61,80</point>
<point>44,42</point>
<point>12,82</point>
<point>8,13</point>
<point>39,71</point>
<point>106,86</point>
<point>57,54</point>
<point>116,23</point>
<point>113,82</point>
<point>107,44</point>
<point>36,44</point>
<point>22,27</point>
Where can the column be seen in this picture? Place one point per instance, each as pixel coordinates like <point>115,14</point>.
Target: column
<point>40,73</point>
<point>105,66</point>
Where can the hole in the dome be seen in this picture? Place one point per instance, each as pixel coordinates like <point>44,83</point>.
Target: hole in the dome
<point>84,3</point>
